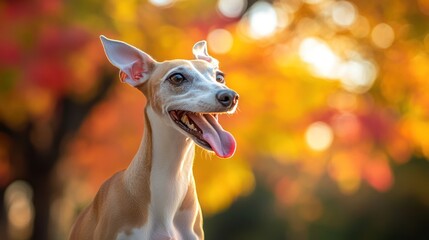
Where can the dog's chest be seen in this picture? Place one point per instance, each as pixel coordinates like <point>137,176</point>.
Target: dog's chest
<point>150,231</point>
<point>167,196</point>
<point>134,234</point>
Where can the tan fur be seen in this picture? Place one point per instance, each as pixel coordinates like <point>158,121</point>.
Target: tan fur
<point>189,202</point>
<point>151,88</point>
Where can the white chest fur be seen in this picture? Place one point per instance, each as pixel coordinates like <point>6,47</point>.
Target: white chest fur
<point>170,179</point>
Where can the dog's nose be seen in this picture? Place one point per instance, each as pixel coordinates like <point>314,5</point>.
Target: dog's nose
<point>227,98</point>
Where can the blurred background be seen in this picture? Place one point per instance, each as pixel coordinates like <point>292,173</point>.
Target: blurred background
<point>332,126</point>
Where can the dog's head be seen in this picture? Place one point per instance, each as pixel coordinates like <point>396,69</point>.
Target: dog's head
<point>188,94</point>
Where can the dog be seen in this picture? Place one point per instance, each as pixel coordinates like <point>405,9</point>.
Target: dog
<point>155,197</point>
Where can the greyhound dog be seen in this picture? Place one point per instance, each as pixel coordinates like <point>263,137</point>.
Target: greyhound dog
<point>155,197</point>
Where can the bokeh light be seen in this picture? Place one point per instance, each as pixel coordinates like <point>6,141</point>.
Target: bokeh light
<point>220,41</point>
<point>313,1</point>
<point>20,210</point>
<point>161,3</point>
<point>357,75</point>
<point>346,170</point>
<point>262,20</point>
<point>231,8</point>
<point>382,35</point>
<point>292,5</point>
<point>347,127</point>
<point>343,13</point>
<point>319,136</point>
<point>319,55</point>
<point>361,27</point>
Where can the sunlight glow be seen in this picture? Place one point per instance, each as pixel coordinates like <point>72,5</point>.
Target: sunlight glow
<point>231,8</point>
<point>161,3</point>
<point>357,76</point>
<point>343,13</point>
<point>220,41</point>
<point>262,20</point>
<point>382,35</point>
<point>320,56</point>
<point>319,136</point>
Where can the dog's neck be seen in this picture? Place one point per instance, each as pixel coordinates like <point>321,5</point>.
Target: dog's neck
<point>164,153</point>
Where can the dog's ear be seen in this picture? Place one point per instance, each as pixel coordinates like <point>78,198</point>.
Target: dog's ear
<point>135,65</point>
<point>200,52</point>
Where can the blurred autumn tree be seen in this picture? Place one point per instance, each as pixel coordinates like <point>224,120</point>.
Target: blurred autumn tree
<point>333,113</point>
<point>51,77</point>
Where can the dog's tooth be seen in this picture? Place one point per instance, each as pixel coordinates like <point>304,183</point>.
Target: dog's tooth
<point>185,119</point>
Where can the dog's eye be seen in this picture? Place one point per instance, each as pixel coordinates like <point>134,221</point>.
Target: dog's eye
<point>176,79</point>
<point>220,77</point>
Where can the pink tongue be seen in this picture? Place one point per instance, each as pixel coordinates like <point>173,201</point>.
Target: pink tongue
<point>221,141</point>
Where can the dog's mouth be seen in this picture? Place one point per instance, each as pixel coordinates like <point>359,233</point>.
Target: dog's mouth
<point>206,131</point>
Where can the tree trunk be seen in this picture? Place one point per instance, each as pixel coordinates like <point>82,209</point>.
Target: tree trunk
<point>42,197</point>
<point>36,165</point>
